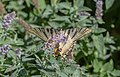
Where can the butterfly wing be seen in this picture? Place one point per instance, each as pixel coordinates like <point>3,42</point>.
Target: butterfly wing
<point>43,33</point>
<point>72,36</point>
<point>80,33</point>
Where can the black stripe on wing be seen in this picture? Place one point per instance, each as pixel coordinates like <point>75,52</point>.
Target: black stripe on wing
<point>70,33</point>
<point>43,33</point>
<point>76,33</point>
<point>81,33</point>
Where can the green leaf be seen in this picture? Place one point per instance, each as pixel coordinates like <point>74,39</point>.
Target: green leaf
<point>11,54</point>
<point>53,2</point>
<point>54,24</point>
<point>11,69</point>
<point>78,3</point>
<point>109,39</point>
<point>62,18</point>
<point>14,74</point>
<point>64,5</point>
<point>76,73</point>
<point>108,3</point>
<point>36,76</point>
<point>102,74</point>
<point>53,60</point>
<point>19,42</point>
<point>31,48</point>
<point>97,65</point>
<point>84,9</point>
<point>22,14</point>
<point>42,4</point>
<point>69,70</point>
<point>107,67</point>
<point>27,59</point>
<point>38,60</point>
<point>47,74</point>
<point>64,11</point>
<point>116,73</point>
<point>100,21</point>
<point>98,43</point>
<point>22,72</point>
<point>99,30</point>
<point>48,11</point>
<point>14,5</point>
<point>83,18</point>
<point>28,2</point>
<point>61,74</point>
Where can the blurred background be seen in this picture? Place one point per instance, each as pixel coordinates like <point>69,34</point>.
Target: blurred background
<point>95,56</point>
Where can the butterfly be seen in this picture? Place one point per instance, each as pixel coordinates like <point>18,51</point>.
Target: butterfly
<point>61,41</point>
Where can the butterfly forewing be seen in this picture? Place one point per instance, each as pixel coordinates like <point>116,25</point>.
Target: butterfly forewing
<point>42,33</point>
<point>81,33</point>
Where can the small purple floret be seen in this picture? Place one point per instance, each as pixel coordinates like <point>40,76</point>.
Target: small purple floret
<point>55,40</point>
<point>18,52</point>
<point>5,48</point>
<point>8,19</point>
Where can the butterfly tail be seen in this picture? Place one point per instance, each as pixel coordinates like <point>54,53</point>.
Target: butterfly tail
<point>27,27</point>
<point>23,23</point>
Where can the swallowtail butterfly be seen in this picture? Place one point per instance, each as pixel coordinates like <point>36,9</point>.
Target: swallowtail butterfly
<point>62,41</point>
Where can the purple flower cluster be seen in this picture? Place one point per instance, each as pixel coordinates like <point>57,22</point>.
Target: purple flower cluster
<point>8,19</point>
<point>59,37</point>
<point>83,13</point>
<point>18,52</point>
<point>55,40</point>
<point>5,48</point>
<point>99,10</point>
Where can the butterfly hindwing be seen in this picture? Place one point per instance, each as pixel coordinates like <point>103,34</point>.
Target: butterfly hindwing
<point>73,35</point>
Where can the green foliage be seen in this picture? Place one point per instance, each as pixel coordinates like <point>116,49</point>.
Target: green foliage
<point>94,56</point>
<point>108,3</point>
